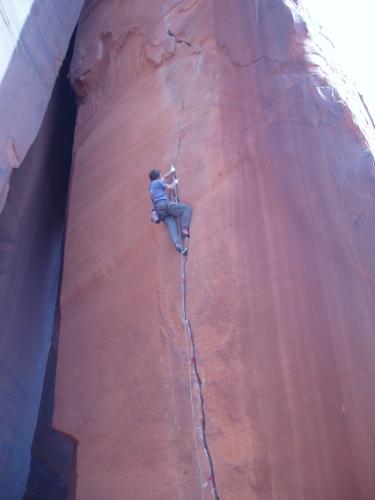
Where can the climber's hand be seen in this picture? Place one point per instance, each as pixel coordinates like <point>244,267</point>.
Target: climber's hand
<point>171,171</point>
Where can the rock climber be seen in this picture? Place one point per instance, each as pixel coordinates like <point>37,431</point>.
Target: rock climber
<point>170,212</point>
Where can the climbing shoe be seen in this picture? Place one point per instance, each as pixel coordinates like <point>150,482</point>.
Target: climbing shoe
<point>181,250</point>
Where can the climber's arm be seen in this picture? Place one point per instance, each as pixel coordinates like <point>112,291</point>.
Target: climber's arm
<point>174,183</point>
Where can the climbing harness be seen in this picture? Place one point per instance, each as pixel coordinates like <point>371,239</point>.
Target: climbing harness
<point>154,216</point>
<point>159,212</point>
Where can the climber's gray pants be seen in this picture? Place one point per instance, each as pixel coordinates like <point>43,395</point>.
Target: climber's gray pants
<point>174,212</point>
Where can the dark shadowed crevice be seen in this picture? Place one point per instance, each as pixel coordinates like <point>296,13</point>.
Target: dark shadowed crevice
<point>53,464</point>
<point>53,456</point>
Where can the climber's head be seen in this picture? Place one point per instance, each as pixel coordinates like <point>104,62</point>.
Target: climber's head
<point>154,174</point>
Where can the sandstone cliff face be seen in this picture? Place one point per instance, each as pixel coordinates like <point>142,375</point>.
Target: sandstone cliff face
<point>276,400</point>
<point>31,56</point>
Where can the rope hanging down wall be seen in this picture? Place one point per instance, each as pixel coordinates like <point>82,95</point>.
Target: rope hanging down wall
<point>206,470</point>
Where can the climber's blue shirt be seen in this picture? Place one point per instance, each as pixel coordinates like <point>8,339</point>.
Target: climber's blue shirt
<point>158,191</point>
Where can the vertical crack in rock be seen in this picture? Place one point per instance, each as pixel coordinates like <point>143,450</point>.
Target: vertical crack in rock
<point>178,40</point>
<point>197,405</point>
<point>206,470</point>
<point>180,136</point>
<point>179,143</point>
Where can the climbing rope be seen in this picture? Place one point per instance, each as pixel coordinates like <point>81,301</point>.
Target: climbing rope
<point>193,373</point>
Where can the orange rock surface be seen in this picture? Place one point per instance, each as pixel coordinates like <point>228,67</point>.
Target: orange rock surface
<point>276,398</point>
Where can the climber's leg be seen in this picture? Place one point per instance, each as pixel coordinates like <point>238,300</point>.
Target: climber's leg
<point>182,211</point>
<point>171,224</point>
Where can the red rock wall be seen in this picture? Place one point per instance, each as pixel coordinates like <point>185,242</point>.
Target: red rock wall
<point>280,274</point>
